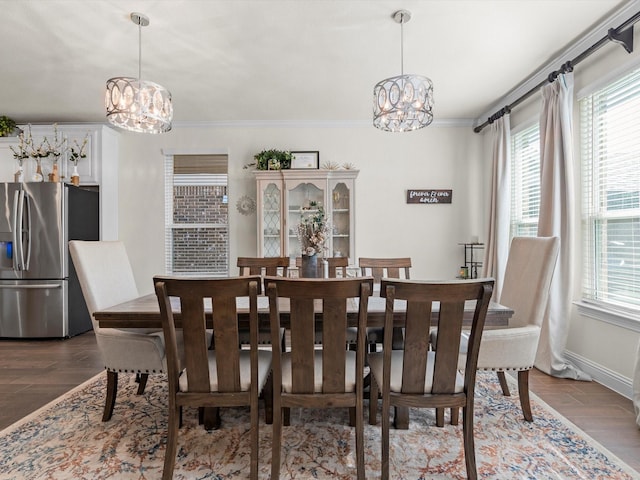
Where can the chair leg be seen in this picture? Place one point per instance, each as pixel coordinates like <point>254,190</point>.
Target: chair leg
<point>112,391</point>
<point>440,417</point>
<point>373,401</point>
<point>523,391</point>
<point>267,395</point>
<point>455,416</point>
<point>503,383</point>
<point>276,438</point>
<point>141,378</point>
<point>359,412</point>
<point>385,436</point>
<point>254,437</point>
<point>353,417</point>
<point>467,435</point>
<point>172,444</point>
<point>286,416</point>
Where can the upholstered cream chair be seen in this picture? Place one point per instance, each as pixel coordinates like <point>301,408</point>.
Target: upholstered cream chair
<point>106,279</point>
<point>527,279</point>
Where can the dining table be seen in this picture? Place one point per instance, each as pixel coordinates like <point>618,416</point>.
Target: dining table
<point>144,312</point>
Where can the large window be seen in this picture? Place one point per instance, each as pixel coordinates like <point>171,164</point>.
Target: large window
<point>610,136</point>
<point>196,219</point>
<point>525,181</point>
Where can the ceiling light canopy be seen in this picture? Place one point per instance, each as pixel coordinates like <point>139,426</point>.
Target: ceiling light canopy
<point>405,102</point>
<point>135,104</point>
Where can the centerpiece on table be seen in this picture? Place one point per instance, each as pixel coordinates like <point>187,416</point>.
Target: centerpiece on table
<point>313,231</point>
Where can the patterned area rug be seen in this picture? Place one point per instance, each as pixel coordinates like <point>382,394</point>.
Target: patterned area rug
<point>67,440</point>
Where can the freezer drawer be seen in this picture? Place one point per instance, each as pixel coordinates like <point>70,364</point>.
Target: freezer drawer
<point>33,309</point>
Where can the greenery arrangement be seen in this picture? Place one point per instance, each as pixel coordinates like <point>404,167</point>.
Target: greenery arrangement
<point>271,160</point>
<point>78,151</point>
<point>7,126</point>
<point>313,229</point>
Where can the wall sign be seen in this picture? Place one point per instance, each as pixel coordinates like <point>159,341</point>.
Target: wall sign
<point>429,196</point>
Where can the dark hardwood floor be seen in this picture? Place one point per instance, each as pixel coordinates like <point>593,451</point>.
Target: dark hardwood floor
<point>34,372</point>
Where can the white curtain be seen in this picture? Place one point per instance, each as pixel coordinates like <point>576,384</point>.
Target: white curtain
<point>497,244</point>
<point>556,219</point>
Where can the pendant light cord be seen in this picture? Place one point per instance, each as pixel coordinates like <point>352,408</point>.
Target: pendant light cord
<point>139,49</point>
<point>402,44</point>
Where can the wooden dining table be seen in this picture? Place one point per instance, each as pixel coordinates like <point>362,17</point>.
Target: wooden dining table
<point>144,312</point>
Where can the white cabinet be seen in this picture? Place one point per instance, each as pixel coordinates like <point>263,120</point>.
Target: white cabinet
<point>89,168</point>
<point>283,194</point>
<point>99,168</point>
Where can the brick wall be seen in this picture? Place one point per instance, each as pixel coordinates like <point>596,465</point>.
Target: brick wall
<point>201,248</point>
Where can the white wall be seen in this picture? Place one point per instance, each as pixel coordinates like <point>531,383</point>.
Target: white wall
<point>604,350</point>
<point>389,164</point>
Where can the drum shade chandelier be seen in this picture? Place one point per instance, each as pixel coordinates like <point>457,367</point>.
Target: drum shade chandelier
<point>135,104</point>
<point>405,102</point>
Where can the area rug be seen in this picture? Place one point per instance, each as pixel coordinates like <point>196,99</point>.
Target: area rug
<point>67,440</point>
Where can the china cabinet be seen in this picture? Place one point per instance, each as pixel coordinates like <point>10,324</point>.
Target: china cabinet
<point>284,196</point>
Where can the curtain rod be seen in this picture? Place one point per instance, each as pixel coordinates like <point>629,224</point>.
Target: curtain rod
<point>617,35</point>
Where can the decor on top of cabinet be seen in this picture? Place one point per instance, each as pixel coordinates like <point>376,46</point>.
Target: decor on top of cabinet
<point>20,153</point>
<point>7,126</point>
<point>271,160</point>
<point>76,152</point>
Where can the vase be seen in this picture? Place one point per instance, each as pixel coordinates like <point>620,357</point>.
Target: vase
<point>38,176</point>
<point>53,176</point>
<point>75,176</point>
<point>309,268</point>
<point>19,175</point>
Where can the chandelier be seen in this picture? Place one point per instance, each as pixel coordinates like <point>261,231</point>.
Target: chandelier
<point>135,104</point>
<point>405,102</point>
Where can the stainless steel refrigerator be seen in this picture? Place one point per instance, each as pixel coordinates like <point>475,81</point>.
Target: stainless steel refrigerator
<point>39,291</point>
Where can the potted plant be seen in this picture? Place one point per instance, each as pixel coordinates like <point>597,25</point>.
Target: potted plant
<point>271,160</point>
<point>7,126</point>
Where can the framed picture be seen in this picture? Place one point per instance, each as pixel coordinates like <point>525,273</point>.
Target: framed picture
<point>305,160</point>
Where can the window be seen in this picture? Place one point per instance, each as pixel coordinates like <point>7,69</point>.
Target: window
<point>610,122</point>
<point>525,181</point>
<point>196,215</point>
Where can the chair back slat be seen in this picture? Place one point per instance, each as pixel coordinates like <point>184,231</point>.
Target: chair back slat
<point>225,340</point>
<point>302,344</point>
<point>195,346</point>
<point>415,351</point>
<point>334,337</point>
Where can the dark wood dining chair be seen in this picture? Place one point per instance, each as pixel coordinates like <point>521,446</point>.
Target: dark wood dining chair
<point>318,377</point>
<point>273,266</point>
<point>416,377</point>
<point>337,265</point>
<point>380,268</point>
<point>228,376</point>
<point>263,266</point>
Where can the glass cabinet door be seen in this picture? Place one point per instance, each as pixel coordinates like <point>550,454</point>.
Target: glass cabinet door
<point>341,221</point>
<point>271,222</point>
<point>303,199</point>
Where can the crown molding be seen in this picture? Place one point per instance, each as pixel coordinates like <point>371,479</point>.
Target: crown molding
<point>447,122</point>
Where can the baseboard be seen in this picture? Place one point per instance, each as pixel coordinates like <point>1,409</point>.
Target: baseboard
<point>602,375</point>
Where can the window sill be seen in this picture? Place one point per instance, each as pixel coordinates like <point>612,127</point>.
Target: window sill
<point>628,320</point>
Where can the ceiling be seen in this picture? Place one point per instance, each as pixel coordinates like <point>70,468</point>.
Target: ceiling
<point>277,60</point>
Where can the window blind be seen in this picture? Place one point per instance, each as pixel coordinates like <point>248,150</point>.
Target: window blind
<point>610,127</point>
<point>525,181</point>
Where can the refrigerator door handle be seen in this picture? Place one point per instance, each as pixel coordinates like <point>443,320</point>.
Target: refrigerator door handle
<point>27,208</point>
<point>21,210</point>
<point>33,286</point>
<point>17,230</point>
